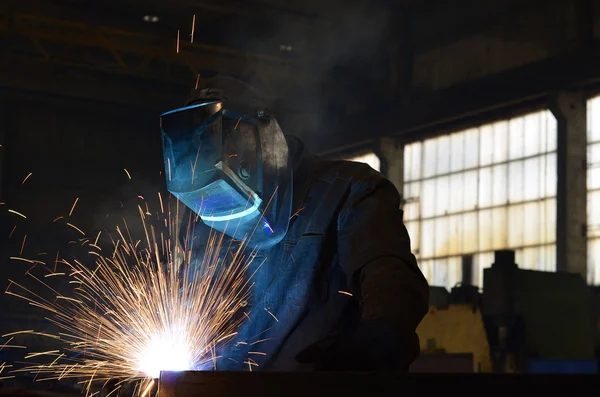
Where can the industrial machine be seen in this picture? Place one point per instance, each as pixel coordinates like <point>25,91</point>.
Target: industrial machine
<point>524,322</point>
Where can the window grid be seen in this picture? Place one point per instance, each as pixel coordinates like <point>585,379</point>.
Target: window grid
<point>469,192</point>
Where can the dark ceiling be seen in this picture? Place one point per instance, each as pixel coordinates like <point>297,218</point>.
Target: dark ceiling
<point>311,57</point>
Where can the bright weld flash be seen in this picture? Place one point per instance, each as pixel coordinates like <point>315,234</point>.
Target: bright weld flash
<point>169,351</point>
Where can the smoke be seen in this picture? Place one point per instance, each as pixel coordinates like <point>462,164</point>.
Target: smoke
<point>338,59</point>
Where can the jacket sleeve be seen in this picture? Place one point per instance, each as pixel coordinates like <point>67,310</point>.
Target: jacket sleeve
<point>375,253</point>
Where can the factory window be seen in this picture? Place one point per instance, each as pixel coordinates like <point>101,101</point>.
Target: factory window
<point>593,186</point>
<point>479,190</point>
<point>370,158</point>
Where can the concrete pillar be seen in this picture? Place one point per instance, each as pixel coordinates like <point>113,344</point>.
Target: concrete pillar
<point>391,154</point>
<point>569,108</point>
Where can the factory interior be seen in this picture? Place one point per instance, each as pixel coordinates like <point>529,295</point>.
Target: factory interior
<point>484,115</point>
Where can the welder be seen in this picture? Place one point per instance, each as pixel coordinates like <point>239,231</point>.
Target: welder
<point>334,285</point>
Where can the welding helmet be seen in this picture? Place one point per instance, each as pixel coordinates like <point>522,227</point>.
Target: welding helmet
<point>226,159</point>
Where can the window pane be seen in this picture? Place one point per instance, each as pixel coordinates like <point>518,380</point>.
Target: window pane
<point>454,271</point>
<point>594,261</point>
<point>456,193</point>
<point>549,258</point>
<point>441,237</point>
<point>486,145</point>
<point>412,197</point>
<point>415,161</point>
<point>455,232</point>
<point>480,262</point>
<point>515,220</point>
<point>593,175</point>
<point>443,155</point>
<point>485,187</point>
<point>429,157</point>
<point>408,149</point>
<point>457,151</point>
<point>500,141</point>
<point>500,227</point>
<point>531,185</point>
<point>442,195</point>
<point>500,184</point>
<point>593,210</point>
<point>471,148</point>
<point>470,235</point>
<point>440,272</point>
<point>551,131</point>
<point>531,226</point>
<point>486,231</point>
<point>470,190</point>
<point>427,239</point>
<point>550,224</point>
<point>531,143</point>
<point>515,182</point>
<point>550,175</point>
<point>515,138</point>
<point>428,200</point>
<point>594,119</point>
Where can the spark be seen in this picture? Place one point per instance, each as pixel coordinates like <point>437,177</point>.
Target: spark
<point>236,124</point>
<point>12,231</point>
<point>27,177</point>
<point>74,204</point>
<point>76,228</point>
<point>137,311</point>
<point>297,212</point>
<point>57,218</point>
<point>193,28</point>
<point>23,245</point>
<point>272,315</point>
<point>178,41</point>
<point>148,388</point>
<point>127,172</point>
<point>18,213</point>
<point>196,87</point>
<point>345,293</point>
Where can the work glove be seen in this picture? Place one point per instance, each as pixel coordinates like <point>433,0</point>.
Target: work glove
<point>374,346</point>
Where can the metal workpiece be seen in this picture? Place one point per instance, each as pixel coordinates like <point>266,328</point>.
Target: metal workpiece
<point>356,384</point>
<point>271,384</point>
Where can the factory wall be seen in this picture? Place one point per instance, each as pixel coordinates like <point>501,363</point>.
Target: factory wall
<point>491,37</point>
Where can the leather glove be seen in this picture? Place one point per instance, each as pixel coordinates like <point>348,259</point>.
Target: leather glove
<point>374,346</point>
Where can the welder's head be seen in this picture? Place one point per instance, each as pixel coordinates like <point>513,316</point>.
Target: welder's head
<point>226,159</point>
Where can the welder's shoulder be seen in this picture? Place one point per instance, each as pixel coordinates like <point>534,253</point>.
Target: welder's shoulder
<point>359,174</point>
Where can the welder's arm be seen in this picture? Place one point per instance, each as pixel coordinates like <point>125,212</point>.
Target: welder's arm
<point>374,250</point>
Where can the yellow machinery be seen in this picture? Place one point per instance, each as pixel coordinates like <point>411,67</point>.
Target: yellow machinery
<point>456,329</point>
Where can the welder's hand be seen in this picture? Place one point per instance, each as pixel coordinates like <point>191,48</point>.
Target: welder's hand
<point>373,347</point>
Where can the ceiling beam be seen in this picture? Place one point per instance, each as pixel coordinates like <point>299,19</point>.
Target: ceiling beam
<point>39,30</point>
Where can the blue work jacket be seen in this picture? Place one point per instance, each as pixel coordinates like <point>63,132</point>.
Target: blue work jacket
<point>305,289</point>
